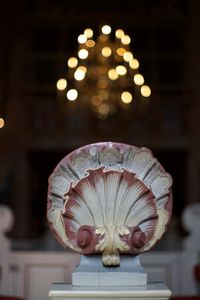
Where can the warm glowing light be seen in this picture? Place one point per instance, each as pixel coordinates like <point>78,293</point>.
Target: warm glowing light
<point>88,32</point>
<point>138,79</point>
<point>103,95</point>
<point>83,53</point>
<point>126,40</point>
<point>126,97</point>
<point>121,70</point>
<point>121,51</point>
<point>134,64</point>
<point>103,109</point>
<point>96,101</point>
<point>119,33</point>
<point>112,74</point>
<point>1,122</point>
<point>103,38</point>
<point>79,75</point>
<point>106,29</point>
<point>106,51</point>
<point>145,91</point>
<point>83,68</point>
<point>82,39</point>
<point>128,56</point>
<point>61,84</point>
<point>72,62</point>
<point>90,43</point>
<point>102,69</point>
<point>72,94</point>
<point>102,83</point>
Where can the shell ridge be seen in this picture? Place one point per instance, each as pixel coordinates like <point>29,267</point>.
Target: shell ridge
<point>104,195</point>
<point>57,196</point>
<point>58,184</point>
<point>153,173</point>
<point>149,167</point>
<point>81,207</point>
<point>135,214</point>
<point>141,159</point>
<point>62,171</point>
<point>74,225</point>
<point>121,195</point>
<point>141,206</point>
<point>159,229</point>
<point>150,216</point>
<point>100,228</point>
<point>161,185</point>
<point>73,172</point>
<point>148,210</point>
<point>57,224</point>
<point>161,201</point>
<point>68,174</point>
<point>128,160</point>
<point>119,217</point>
<point>124,209</point>
<point>99,196</point>
<point>57,204</point>
<point>106,199</point>
<point>112,187</point>
<point>116,206</point>
<point>148,225</point>
<point>101,201</point>
<point>55,200</point>
<point>133,195</point>
<point>81,199</point>
<point>136,209</point>
<point>91,197</point>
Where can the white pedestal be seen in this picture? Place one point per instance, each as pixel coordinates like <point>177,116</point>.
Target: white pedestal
<point>152,291</point>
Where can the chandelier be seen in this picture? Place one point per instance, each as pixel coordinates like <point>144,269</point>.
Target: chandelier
<point>104,74</point>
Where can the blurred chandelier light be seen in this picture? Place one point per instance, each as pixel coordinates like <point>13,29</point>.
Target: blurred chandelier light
<point>1,123</point>
<point>104,74</point>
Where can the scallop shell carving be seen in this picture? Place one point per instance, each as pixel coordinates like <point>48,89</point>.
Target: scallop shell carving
<point>109,198</point>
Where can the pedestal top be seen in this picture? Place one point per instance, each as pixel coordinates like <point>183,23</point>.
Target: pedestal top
<point>150,291</point>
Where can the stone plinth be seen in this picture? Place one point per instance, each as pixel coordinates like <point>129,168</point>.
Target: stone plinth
<point>91,272</point>
<point>152,291</point>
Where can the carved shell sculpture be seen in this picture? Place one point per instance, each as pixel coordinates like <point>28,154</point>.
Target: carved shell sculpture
<point>109,198</point>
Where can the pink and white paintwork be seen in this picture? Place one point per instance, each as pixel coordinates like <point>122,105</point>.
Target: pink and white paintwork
<point>109,198</point>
